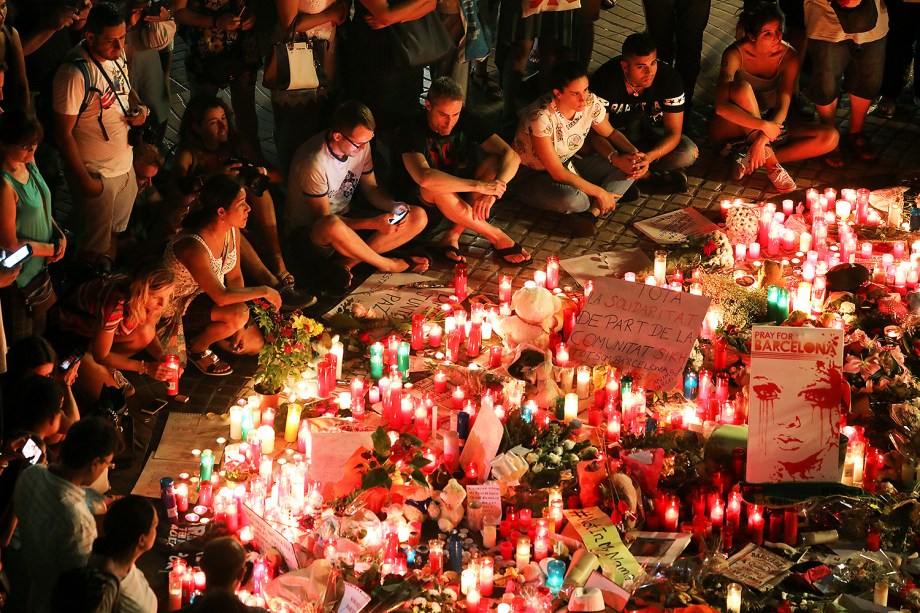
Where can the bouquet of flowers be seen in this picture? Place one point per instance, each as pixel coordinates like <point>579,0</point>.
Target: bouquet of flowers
<point>556,456</point>
<point>871,365</point>
<point>291,344</point>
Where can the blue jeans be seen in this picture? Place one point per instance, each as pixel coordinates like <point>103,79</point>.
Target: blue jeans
<point>538,189</point>
<point>644,135</point>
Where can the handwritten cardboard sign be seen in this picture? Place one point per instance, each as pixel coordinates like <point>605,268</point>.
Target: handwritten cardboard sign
<point>488,495</point>
<point>606,264</point>
<point>265,537</point>
<point>676,227</point>
<point>647,331</point>
<point>388,294</point>
<point>602,539</point>
<point>794,417</point>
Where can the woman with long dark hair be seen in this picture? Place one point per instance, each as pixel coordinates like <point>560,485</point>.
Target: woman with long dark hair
<point>210,296</point>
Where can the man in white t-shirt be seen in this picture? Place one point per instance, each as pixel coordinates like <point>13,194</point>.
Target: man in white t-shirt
<point>552,132</point>
<point>92,115</point>
<point>325,174</point>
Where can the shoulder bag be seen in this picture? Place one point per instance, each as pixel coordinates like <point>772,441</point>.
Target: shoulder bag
<point>38,294</point>
<point>858,19</point>
<point>296,63</point>
<point>420,42</point>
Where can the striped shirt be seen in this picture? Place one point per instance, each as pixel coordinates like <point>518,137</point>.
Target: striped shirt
<point>56,530</point>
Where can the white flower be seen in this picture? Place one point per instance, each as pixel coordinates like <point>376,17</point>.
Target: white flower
<point>846,308</point>
<point>532,458</point>
<point>557,450</point>
<point>555,458</point>
<point>571,458</point>
<point>568,445</point>
<point>538,468</point>
<point>372,314</point>
<point>358,310</point>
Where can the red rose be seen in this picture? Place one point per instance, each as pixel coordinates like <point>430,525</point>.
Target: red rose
<point>364,336</point>
<point>709,247</point>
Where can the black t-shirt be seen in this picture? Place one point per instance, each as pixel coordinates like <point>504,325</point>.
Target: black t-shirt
<point>666,94</point>
<point>454,154</point>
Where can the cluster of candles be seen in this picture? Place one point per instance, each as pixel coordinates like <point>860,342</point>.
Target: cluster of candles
<point>187,582</point>
<point>810,246</point>
<point>862,462</point>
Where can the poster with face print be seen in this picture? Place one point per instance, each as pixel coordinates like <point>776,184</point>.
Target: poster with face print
<point>794,416</point>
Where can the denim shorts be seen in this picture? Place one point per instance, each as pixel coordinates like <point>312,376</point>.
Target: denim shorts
<point>861,66</point>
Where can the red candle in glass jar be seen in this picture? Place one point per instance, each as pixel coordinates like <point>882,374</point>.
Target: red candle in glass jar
<point>790,526</point>
<point>495,356</point>
<point>755,524</point>
<point>418,332</point>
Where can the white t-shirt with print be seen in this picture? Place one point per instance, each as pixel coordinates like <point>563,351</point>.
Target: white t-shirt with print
<point>317,172</point>
<point>110,157</point>
<point>542,118</point>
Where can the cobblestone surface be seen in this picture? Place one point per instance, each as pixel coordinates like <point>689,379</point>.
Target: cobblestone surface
<point>898,142</point>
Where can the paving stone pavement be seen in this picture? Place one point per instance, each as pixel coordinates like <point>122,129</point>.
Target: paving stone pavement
<point>543,233</point>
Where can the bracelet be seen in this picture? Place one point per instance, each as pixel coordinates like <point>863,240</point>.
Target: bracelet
<point>610,157</point>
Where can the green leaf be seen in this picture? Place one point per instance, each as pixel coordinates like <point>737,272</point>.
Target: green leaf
<point>418,461</point>
<point>381,442</point>
<point>419,477</point>
<point>376,477</point>
<point>411,440</point>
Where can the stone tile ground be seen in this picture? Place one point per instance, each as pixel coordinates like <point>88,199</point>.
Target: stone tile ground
<point>898,141</point>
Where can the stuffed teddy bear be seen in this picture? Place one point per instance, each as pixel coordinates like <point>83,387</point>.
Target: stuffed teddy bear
<point>446,506</point>
<point>534,318</point>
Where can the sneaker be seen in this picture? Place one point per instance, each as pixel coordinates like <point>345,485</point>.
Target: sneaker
<point>886,107</point>
<point>741,164</point>
<point>293,299</point>
<point>122,382</point>
<point>781,179</point>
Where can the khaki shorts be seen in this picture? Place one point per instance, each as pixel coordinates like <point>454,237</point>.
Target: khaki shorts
<point>97,218</point>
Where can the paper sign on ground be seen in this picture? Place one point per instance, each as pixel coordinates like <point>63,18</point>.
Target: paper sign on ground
<point>353,600</point>
<point>148,483</point>
<point>602,539</point>
<point>794,416</point>
<point>755,566</point>
<point>187,431</point>
<point>483,441</point>
<point>606,264</point>
<point>489,496</point>
<point>676,227</point>
<point>331,450</point>
<point>265,537</point>
<point>387,295</point>
<point>647,331</point>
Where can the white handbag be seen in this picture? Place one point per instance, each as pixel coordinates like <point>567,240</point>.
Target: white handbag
<point>296,63</point>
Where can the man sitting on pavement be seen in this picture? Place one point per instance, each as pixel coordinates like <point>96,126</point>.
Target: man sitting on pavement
<point>324,175</point>
<point>449,161</point>
<point>646,99</point>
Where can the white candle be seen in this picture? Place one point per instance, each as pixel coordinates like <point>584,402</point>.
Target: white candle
<point>236,423</point>
<point>754,251</point>
<point>571,407</point>
<point>338,350</point>
<point>267,436</point>
<point>583,381</point>
<point>880,594</point>
<point>733,598</point>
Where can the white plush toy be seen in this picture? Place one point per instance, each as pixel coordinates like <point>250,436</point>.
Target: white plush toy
<point>534,318</point>
<point>446,506</point>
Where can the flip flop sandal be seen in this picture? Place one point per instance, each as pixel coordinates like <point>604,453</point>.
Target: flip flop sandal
<point>835,159</point>
<point>451,254</point>
<point>209,363</point>
<point>285,280</point>
<point>408,259</point>
<point>514,249</point>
